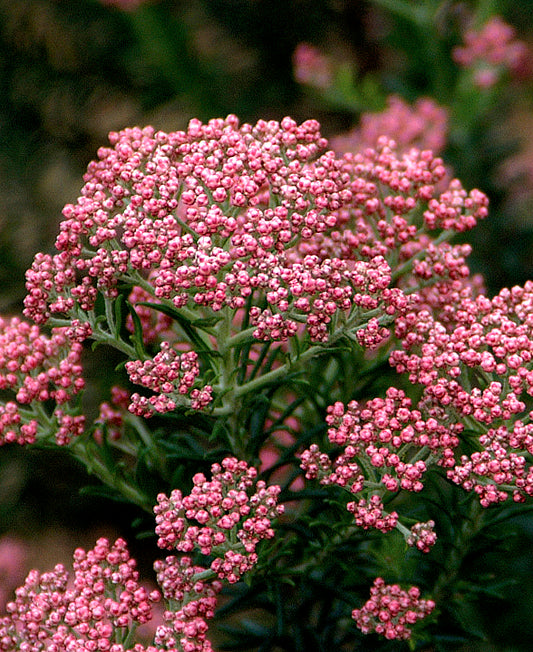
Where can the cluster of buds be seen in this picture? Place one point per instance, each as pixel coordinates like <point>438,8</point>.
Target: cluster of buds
<point>37,368</point>
<point>389,192</point>
<point>226,215</point>
<point>391,611</point>
<point>220,517</point>
<point>477,364</point>
<point>487,339</point>
<point>384,441</point>
<point>185,627</point>
<point>171,375</point>
<point>371,514</point>
<point>422,536</point>
<point>497,471</point>
<point>385,433</point>
<point>93,612</point>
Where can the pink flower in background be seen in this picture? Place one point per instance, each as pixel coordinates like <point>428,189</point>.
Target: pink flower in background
<point>491,51</point>
<point>13,555</point>
<point>423,125</point>
<point>312,67</point>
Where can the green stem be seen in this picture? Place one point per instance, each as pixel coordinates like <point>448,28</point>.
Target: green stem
<point>114,480</point>
<point>129,640</point>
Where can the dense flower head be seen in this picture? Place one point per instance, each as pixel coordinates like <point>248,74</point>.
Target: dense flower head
<point>185,628</point>
<point>37,368</point>
<point>50,613</point>
<point>391,611</point>
<point>477,364</point>
<point>211,210</point>
<point>384,445</point>
<point>386,433</point>
<point>390,191</point>
<point>170,374</point>
<point>423,125</point>
<point>229,216</point>
<point>220,517</point>
<point>491,50</point>
<point>487,339</point>
<point>497,471</point>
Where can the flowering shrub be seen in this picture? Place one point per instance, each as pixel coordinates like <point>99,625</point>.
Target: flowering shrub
<point>252,283</point>
<point>220,262</point>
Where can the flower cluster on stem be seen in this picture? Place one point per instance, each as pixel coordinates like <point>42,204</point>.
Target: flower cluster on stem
<point>385,446</point>
<point>38,369</point>
<point>391,610</point>
<point>97,611</point>
<point>220,517</point>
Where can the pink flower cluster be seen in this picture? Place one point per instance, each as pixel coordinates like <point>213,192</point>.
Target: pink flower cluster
<point>104,601</point>
<point>389,192</point>
<point>491,50</point>
<point>391,611</point>
<point>99,608</point>
<point>491,337</point>
<point>185,627</point>
<point>172,375</point>
<point>423,125</point>
<point>497,470</point>
<point>36,369</point>
<point>387,433</point>
<point>370,513</point>
<point>383,442</point>
<point>191,208</point>
<point>224,214</point>
<point>478,365</point>
<point>422,536</point>
<point>312,67</point>
<point>230,521</point>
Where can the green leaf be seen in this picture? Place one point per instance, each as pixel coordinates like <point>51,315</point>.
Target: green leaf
<point>120,317</point>
<point>145,476</point>
<point>206,322</point>
<point>137,336</point>
<point>220,431</point>
<point>104,492</point>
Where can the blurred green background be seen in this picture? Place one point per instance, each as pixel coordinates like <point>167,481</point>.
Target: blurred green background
<point>73,70</point>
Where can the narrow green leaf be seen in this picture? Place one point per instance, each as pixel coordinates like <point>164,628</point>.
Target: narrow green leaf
<point>137,336</point>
